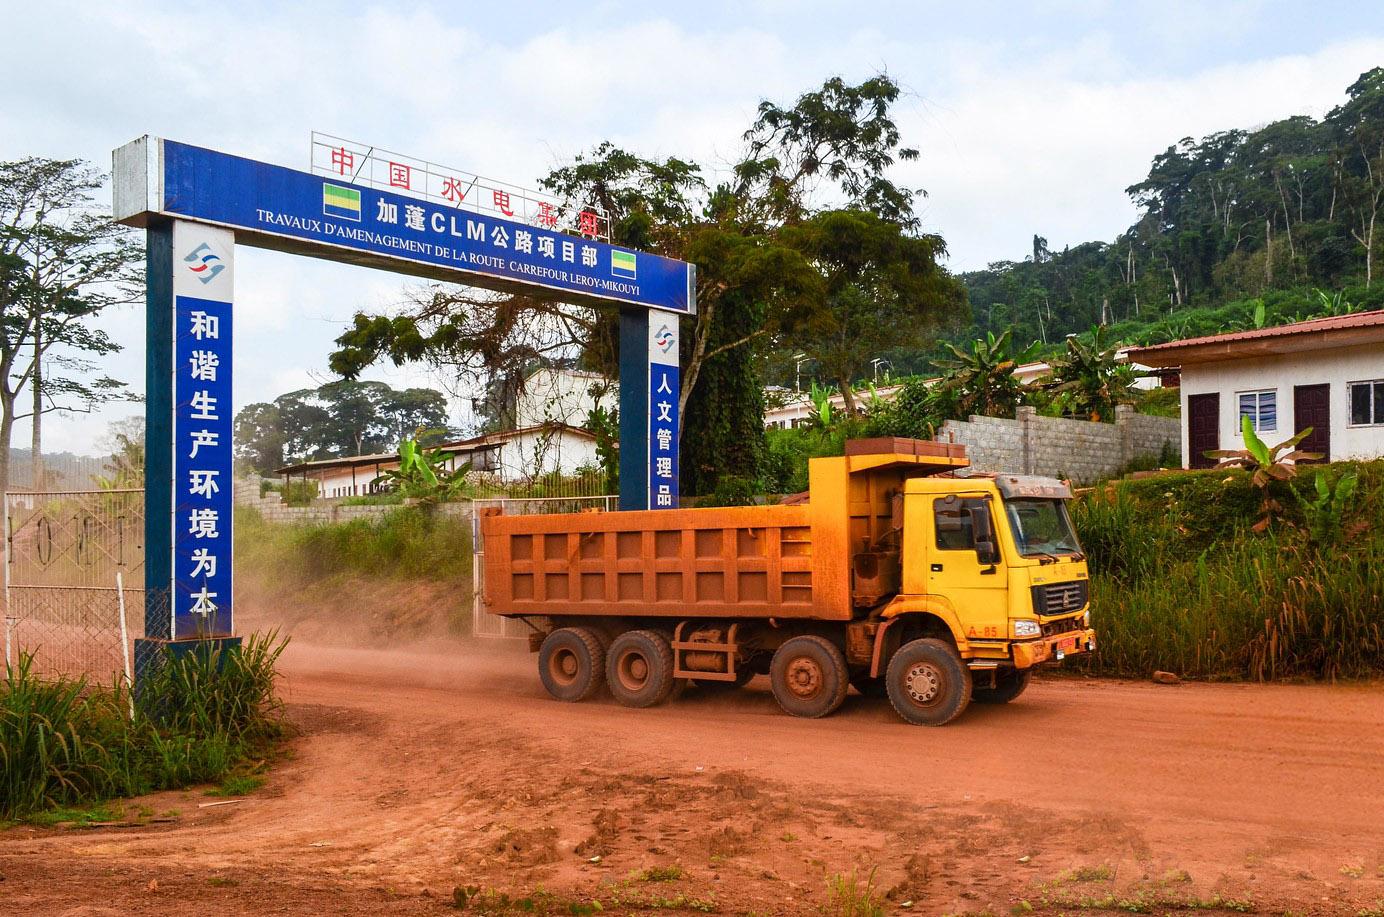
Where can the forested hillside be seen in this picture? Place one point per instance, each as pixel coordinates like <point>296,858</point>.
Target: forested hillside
<point>1271,212</point>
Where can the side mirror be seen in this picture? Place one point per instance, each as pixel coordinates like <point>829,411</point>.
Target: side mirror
<point>984,535</point>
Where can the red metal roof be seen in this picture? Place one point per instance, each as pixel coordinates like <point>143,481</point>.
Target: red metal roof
<point>1311,326</point>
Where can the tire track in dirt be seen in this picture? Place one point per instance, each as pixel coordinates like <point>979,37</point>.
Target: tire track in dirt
<point>420,771</point>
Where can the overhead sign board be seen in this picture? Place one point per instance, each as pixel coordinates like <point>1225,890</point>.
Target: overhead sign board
<point>375,167</point>
<point>279,208</point>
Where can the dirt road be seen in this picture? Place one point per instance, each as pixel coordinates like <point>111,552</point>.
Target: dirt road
<point>420,772</point>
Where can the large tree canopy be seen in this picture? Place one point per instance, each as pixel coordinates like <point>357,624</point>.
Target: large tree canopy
<point>765,267</point>
<point>338,419</point>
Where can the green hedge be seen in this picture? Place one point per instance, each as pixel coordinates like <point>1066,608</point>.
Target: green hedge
<point>1181,582</point>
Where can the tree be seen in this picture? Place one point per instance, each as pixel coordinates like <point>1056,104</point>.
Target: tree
<point>1088,380</point>
<point>981,380</point>
<point>62,264</point>
<point>838,140</point>
<point>882,288</point>
<point>125,465</point>
<point>337,419</point>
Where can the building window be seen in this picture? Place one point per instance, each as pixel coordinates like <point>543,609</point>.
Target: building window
<point>1261,408</point>
<point>1366,403</point>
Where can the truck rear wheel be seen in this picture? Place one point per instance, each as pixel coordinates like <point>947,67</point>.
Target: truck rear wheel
<point>928,683</point>
<point>808,677</point>
<point>571,663</point>
<point>1008,685</point>
<point>639,668</point>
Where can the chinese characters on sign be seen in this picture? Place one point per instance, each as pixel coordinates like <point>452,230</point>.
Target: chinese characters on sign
<point>363,164</point>
<point>202,482</point>
<point>664,387</point>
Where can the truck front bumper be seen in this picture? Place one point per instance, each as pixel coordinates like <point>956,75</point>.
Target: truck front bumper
<point>1053,649</point>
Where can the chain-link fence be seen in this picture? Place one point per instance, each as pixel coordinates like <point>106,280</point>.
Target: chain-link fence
<point>485,624</point>
<point>74,580</point>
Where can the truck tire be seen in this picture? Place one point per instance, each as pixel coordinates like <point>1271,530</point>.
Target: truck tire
<point>571,664</point>
<point>928,683</point>
<point>1008,685</point>
<point>808,677</point>
<point>639,668</point>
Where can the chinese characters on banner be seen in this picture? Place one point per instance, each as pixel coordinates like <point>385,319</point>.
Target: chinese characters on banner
<point>202,412</point>
<point>664,386</point>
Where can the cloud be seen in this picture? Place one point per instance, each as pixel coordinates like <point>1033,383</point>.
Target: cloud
<point>1029,121</point>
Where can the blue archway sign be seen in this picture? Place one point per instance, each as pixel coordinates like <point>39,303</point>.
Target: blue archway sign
<point>198,204</point>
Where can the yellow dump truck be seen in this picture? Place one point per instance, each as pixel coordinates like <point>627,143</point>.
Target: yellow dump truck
<point>900,573</point>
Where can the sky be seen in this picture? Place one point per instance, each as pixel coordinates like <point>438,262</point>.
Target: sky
<point>1030,117</point>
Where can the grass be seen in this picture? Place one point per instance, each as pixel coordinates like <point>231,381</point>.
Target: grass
<point>660,874</point>
<point>1180,582</point>
<point>238,785</point>
<point>406,543</point>
<point>66,745</point>
<point>852,896</point>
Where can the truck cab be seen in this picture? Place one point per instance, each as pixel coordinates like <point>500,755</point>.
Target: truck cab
<point>991,564</point>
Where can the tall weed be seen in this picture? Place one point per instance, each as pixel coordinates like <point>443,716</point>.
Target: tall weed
<point>1179,581</point>
<point>200,715</point>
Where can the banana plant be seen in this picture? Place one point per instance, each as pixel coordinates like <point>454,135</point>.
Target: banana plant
<point>423,474</point>
<point>821,405</point>
<point>1325,513</point>
<point>1266,464</point>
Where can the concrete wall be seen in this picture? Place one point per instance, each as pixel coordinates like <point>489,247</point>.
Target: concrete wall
<point>1055,446</point>
<point>1337,367</point>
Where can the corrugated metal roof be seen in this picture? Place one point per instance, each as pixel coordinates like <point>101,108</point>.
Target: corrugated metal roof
<point>1311,326</point>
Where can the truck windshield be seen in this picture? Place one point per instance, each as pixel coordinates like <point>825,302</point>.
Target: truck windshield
<point>1042,527</point>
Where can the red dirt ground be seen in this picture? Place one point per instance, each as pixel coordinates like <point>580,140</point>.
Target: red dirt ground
<point>419,772</point>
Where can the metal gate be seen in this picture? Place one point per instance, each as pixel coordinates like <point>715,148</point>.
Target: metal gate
<point>74,561</point>
<point>485,624</point>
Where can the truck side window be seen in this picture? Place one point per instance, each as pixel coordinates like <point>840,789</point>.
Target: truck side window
<point>952,519</point>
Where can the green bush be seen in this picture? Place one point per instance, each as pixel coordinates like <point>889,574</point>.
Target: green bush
<point>200,715</point>
<point>1180,582</point>
<point>404,543</point>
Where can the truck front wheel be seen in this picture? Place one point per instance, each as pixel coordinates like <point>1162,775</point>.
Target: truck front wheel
<point>571,663</point>
<point>928,683</point>
<point>639,668</point>
<point>808,676</point>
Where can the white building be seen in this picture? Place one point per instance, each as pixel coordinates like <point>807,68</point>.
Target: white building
<point>1327,374</point>
<point>564,396</point>
<point>510,457</point>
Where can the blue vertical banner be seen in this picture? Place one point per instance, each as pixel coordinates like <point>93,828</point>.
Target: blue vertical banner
<point>664,387</point>
<point>203,485</point>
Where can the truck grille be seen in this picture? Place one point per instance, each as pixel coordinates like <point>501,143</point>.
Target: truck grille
<point>1059,598</point>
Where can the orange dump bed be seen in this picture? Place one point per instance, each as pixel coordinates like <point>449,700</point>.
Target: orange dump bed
<point>788,561</point>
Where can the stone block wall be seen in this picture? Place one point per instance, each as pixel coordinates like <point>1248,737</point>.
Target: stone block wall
<point>1058,447</point>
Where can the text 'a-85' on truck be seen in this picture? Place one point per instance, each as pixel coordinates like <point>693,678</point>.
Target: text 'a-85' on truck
<point>898,572</point>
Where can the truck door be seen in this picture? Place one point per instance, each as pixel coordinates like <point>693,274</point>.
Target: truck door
<point>974,581</point>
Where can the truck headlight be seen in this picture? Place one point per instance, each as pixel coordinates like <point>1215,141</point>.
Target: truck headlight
<point>1024,628</point>
<point>1086,618</point>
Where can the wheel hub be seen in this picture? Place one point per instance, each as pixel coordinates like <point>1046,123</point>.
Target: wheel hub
<point>564,666</point>
<point>804,677</point>
<point>922,683</point>
<point>634,670</point>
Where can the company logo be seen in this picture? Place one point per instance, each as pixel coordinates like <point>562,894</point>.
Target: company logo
<point>663,339</point>
<point>343,203</point>
<point>622,264</point>
<point>204,263</point>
